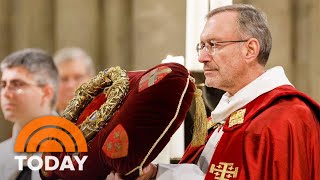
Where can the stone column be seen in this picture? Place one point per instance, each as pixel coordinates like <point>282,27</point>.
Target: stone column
<point>307,54</point>
<point>4,29</point>
<point>31,24</point>
<point>158,30</point>
<point>315,52</point>
<point>77,24</point>
<point>116,33</point>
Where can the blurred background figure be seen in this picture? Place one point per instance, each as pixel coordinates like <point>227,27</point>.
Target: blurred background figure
<point>29,85</point>
<point>75,67</point>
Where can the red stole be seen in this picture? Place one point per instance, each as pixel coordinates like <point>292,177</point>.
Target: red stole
<point>227,161</point>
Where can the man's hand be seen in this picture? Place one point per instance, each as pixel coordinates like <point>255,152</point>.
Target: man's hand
<point>149,172</point>
<point>114,176</point>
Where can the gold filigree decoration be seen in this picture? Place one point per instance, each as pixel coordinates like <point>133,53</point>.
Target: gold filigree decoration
<point>114,82</point>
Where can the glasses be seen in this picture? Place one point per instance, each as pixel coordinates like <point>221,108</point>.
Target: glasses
<point>211,46</point>
<point>16,86</point>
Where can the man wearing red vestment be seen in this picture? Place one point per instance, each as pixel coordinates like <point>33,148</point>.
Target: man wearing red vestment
<point>262,128</point>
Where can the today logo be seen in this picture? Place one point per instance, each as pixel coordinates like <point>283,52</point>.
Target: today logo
<point>51,134</point>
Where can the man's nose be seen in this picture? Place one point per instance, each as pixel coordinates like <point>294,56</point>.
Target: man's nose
<point>7,92</point>
<point>71,82</point>
<point>204,56</point>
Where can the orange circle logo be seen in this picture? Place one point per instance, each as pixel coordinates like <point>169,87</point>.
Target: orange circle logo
<point>50,134</point>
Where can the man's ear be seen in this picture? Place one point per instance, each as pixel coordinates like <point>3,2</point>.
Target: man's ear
<point>252,50</point>
<point>48,93</point>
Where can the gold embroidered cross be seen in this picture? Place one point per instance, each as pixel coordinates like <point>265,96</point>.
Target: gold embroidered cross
<point>224,171</point>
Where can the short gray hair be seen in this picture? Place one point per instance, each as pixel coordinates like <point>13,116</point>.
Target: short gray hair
<point>252,23</point>
<point>72,53</point>
<point>38,63</point>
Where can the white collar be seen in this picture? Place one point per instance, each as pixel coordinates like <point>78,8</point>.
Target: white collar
<point>268,81</point>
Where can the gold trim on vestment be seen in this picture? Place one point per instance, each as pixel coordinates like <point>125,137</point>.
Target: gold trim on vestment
<point>237,117</point>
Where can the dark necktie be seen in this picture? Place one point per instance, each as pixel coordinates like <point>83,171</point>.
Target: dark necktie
<point>25,174</point>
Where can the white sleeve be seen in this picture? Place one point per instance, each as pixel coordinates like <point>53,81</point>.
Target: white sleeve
<point>179,172</point>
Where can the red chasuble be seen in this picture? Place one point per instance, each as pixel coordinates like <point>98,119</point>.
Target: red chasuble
<point>276,136</point>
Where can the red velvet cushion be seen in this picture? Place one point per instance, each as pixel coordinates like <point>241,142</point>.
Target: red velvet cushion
<point>156,98</point>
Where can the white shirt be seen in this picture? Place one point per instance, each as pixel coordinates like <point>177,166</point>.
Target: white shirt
<point>268,81</point>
